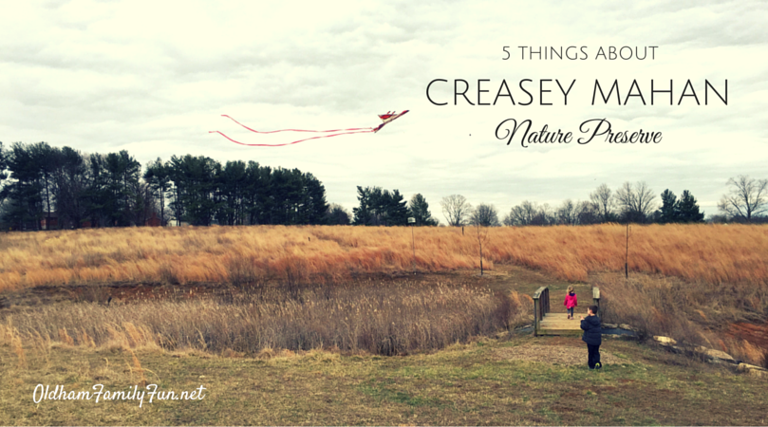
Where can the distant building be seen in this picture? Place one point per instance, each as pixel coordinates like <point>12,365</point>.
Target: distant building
<point>50,221</point>
<point>153,221</point>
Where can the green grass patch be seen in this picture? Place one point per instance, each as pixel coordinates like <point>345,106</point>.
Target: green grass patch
<point>461,385</point>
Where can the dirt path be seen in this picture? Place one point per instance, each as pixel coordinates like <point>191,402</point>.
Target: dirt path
<point>571,354</point>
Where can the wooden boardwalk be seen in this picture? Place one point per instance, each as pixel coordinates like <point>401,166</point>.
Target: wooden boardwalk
<point>549,322</point>
<point>559,324</point>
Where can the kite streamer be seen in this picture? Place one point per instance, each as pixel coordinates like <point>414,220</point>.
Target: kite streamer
<point>294,142</point>
<point>385,118</point>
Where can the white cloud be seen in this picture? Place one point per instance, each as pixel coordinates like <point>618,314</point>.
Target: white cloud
<point>154,77</point>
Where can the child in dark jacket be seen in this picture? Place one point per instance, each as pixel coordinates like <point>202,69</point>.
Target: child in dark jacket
<point>570,301</point>
<point>593,336</point>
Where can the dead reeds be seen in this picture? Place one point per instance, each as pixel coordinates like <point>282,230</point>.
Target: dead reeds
<point>387,318</point>
<point>691,312</point>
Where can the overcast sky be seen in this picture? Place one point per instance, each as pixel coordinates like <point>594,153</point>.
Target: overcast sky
<point>154,77</point>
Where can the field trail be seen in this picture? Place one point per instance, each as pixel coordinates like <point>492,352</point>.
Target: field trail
<point>571,353</point>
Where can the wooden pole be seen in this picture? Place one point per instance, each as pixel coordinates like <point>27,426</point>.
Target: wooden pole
<point>481,258</point>
<point>626,256</point>
<point>413,242</point>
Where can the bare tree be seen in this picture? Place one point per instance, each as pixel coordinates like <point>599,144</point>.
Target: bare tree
<point>587,213</point>
<point>485,215</point>
<point>603,202</point>
<point>544,216</point>
<point>521,214</point>
<point>635,201</point>
<point>568,213</point>
<point>337,215</point>
<point>482,237</point>
<point>644,198</point>
<point>529,213</point>
<point>456,209</point>
<point>575,213</point>
<point>746,198</point>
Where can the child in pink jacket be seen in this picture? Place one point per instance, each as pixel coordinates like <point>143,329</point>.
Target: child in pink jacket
<point>570,301</point>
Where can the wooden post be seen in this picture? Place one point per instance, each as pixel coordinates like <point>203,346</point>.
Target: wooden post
<point>413,240</point>
<point>596,296</point>
<point>481,257</point>
<point>540,307</point>
<point>626,256</point>
<point>535,315</point>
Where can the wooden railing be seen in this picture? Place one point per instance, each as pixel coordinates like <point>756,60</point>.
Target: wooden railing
<point>540,307</point>
<point>596,296</point>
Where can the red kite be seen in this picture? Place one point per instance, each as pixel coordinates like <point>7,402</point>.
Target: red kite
<point>385,118</point>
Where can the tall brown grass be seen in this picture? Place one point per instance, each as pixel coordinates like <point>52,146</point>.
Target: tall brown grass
<point>691,312</point>
<point>710,253</point>
<point>10,336</point>
<point>387,318</point>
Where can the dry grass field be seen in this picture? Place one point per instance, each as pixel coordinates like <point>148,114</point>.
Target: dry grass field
<point>718,254</point>
<point>275,287</point>
<point>289,324</point>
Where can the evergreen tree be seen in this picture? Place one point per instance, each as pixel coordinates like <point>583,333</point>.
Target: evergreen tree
<point>256,192</point>
<point>71,183</point>
<point>419,209</point>
<point>113,195</point>
<point>95,194</point>
<point>669,210</point>
<point>315,206</point>
<point>688,208</point>
<point>121,173</point>
<point>285,194</point>
<point>195,179</point>
<point>380,207</point>
<point>380,200</point>
<point>2,166</point>
<point>25,189</point>
<point>232,182</point>
<point>111,191</point>
<point>45,160</point>
<point>397,209</point>
<point>362,213</point>
<point>372,209</point>
<point>158,178</point>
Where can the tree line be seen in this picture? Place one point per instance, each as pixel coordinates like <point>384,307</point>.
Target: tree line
<point>49,187</point>
<point>382,207</point>
<point>746,201</point>
<point>39,182</point>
